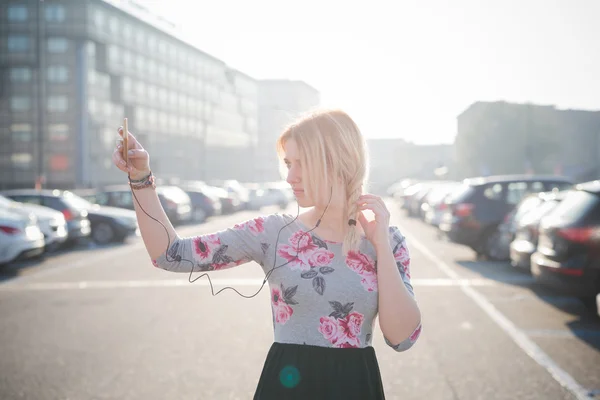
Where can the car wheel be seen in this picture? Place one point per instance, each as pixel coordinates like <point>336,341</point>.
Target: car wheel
<point>493,247</point>
<point>103,233</point>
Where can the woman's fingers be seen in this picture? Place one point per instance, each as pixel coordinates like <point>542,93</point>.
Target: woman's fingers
<point>132,142</point>
<point>137,153</point>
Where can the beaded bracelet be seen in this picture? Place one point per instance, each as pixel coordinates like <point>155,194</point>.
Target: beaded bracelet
<point>143,183</point>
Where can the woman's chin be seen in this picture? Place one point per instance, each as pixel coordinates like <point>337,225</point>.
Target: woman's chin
<point>303,202</point>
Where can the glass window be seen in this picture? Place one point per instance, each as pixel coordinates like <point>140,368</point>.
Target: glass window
<point>494,192</point>
<point>57,103</point>
<point>113,25</point>
<point>17,13</point>
<point>21,132</point>
<point>58,132</point>
<point>18,43</point>
<point>21,160</point>
<point>55,13</point>
<point>20,103</point>
<point>59,162</point>
<point>516,191</point>
<point>99,18</point>
<point>57,74</point>
<point>127,32</point>
<point>20,74</point>
<point>57,45</point>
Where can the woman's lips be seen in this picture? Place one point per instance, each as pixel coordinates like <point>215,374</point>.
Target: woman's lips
<point>298,191</point>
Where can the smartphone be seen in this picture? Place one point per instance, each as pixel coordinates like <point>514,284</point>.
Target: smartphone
<point>125,138</point>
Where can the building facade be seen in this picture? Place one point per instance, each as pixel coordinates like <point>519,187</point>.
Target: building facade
<point>506,138</point>
<point>73,69</point>
<point>280,102</point>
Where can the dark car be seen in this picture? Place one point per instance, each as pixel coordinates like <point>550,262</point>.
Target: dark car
<point>527,224</point>
<point>74,211</point>
<point>107,224</point>
<point>568,252</point>
<point>175,201</point>
<point>474,212</point>
<point>205,202</point>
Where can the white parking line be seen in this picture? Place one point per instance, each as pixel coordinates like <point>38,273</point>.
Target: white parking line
<point>516,334</point>
<point>156,283</point>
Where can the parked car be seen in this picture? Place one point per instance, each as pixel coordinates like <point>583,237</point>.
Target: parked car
<point>104,224</point>
<point>20,236</point>
<point>75,212</point>
<point>568,252</point>
<point>475,211</point>
<point>204,201</point>
<point>526,237</point>
<point>51,222</point>
<point>175,201</point>
<point>434,205</point>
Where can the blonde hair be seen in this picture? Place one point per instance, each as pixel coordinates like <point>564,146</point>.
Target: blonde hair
<point>332,150</point>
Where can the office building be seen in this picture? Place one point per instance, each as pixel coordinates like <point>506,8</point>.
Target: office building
<point>72,69</point>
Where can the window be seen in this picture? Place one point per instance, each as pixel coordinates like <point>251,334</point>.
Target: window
<point>516,191</point>
<point>494,192</point>
<point>20,74</point>
<point>57,74</point>
<point>17,13</point>
<point>58,132</point>
<point>59,163</point>
<point>57,45</point>
<point>21,160</point>
<point>57,103</point>
<point>18,43</point>
<point>21,132</point>
<point>20,103</point>
<point>127,33</point>
<point>99,19</point>
<point>113,25</point>
<point>55,13</point>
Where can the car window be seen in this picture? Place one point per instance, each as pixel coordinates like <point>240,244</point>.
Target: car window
<point>75,201</point>
<point>494,192</point>
<point>516,192</point>
<point>537,187</point>
<point>53,202</point>
<point>576,205</point>
<point>101,198</point>
<point>557,186</point>
<point>123,199</point>
<point>23,198</point>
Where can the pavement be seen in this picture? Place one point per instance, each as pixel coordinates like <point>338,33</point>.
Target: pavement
<point>102,323</point>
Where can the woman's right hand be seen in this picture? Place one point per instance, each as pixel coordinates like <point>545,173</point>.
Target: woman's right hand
<point>138,165</point>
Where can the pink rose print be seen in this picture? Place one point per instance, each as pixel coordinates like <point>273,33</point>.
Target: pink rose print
<point>281,299</point>
<point>402,256</point>
<point>301,243</point>
<point>342,327</point>
<point>255,225</point>
<point>415,335</point>
<point>364,266</point>
<point>204,246</point>
<point>320,257</point>
<point>155,263</point>
<point>330,329</point>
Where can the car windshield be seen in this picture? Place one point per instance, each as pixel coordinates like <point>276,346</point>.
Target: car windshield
<point>576,204</point>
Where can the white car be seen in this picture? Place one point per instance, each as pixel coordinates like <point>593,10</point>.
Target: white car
<point>20,236</point>
<point>52,223</point>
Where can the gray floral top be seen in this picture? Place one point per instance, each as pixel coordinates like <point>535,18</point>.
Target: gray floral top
<point>318,296</point>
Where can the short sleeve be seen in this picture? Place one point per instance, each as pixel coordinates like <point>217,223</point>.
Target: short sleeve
<point>402,257</point>
<point>244,242</point>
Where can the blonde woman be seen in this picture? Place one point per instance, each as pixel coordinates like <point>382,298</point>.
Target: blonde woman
<point>330,270</point>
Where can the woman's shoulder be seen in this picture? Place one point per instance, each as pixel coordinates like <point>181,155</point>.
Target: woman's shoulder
<point>270,224</point>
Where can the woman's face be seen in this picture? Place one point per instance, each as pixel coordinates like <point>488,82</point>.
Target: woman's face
<point>294,176</point>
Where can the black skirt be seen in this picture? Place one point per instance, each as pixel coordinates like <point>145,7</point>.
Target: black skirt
<point>295,371</point>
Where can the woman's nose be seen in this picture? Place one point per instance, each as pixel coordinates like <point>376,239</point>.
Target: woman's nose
<point>292,177</point>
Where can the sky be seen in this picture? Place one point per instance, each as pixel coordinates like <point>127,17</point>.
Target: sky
<point>407,68</point>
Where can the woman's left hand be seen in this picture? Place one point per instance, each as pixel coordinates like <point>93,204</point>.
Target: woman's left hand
<point>377,231</point>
